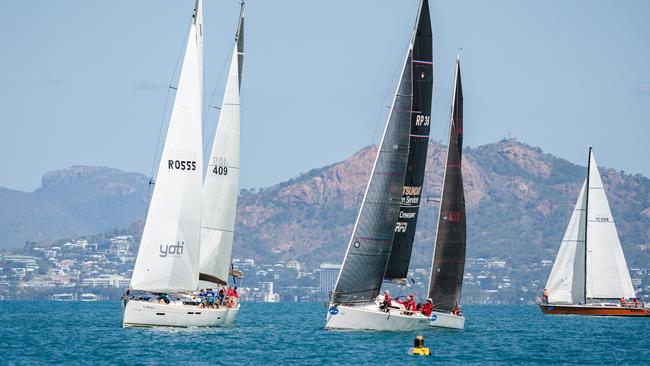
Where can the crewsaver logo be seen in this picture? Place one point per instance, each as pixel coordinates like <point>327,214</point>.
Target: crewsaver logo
<point>172,250</point>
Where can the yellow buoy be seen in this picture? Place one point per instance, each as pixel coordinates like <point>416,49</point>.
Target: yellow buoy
<point>418,347</point>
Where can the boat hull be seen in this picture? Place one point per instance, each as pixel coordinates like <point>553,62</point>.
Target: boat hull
<point>369,317</point>
<point>446,320</point>
<point>598,310</point>
<point>151,314</point>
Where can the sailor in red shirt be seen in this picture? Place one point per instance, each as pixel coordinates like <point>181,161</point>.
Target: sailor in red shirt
<point>427,307</point>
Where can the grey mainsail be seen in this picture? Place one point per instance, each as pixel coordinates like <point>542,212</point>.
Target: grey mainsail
<point>422,74</point>
<point>448,267</point>
<point>367,255</point>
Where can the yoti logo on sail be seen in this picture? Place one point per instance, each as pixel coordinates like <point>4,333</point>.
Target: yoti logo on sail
<point>172,250</point>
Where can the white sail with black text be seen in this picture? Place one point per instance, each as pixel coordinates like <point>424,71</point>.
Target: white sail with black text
<point>168,258</point>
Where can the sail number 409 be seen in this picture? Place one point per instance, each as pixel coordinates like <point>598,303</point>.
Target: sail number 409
<point>421,120</point>
<point>221,166</point>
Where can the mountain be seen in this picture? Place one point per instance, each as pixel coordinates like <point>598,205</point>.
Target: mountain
<point>75,201</point>
<point>519,200</point>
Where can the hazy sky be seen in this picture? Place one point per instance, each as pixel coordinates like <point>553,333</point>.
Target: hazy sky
<point>85,82</point>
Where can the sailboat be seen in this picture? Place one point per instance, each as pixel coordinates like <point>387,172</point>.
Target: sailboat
<point>184,240</point>
<point>381,243</point>
<point>590,275</point>
<point>448,266</point>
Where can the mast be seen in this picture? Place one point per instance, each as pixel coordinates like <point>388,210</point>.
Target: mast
<point>422,79</point>
<point>587,217</point>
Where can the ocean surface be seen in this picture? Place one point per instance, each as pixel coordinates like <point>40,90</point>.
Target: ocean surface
<point>293,334</point>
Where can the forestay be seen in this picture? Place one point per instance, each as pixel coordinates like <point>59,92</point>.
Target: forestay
<point>221,184</point>
<point>422,78</point>
<point>367,255</point>
<point>168,258</point>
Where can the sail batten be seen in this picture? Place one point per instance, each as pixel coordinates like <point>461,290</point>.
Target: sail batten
<point>446,280</point>
<point>221,184</point>
<point>168,257</point>
<point>420,115</point>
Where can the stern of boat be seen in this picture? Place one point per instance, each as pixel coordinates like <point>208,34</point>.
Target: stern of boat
<point>446,320</point>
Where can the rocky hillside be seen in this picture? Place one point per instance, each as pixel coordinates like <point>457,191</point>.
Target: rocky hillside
<point>519,201</point>
<point>75,201</point>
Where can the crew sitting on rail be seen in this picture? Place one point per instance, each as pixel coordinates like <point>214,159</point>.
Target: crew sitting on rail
<point>163,299</point>
<point>545,296</point>
<point>623,301</point>
<point>427,307</point>
<point>409,305</point>
<point>387,303</point>
<point>220,297</point>
<point>211,297</point>
<point>456,310</point>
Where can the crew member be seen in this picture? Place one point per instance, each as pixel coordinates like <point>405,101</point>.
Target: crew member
<point>545,296</point>
<point>426,307</point>
<point>387,303</point>
<point>456,310</point>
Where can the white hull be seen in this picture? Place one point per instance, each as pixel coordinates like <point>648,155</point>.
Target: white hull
<point>146,314</point>
<point>369,317</point>
<point>446,320</point>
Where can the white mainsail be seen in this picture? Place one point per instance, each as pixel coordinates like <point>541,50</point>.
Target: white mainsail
<point>168,258</point>
<point>221,184</point>
<point>607,273</point>
<point>567,279</point>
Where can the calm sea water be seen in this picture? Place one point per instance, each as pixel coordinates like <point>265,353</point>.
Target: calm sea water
<point>292,334</point>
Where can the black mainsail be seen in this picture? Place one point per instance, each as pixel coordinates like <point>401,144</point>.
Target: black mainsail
<point>422,74</point>
<point>448,266</point>
<point>367,255</point>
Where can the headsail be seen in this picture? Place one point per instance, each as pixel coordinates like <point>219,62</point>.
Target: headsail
<point>422,75</point>
<point>168,258</point>
<point>367,255</point>
<point>448,266</point>
<point>221,184</point>
<point>566,283</point>
<point>607,273</point>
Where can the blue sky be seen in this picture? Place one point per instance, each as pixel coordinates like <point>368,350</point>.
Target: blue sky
<point>86,82</point>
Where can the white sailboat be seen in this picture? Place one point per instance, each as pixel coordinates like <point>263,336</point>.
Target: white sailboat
<point>169,261</point>
<point>590,274</point>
